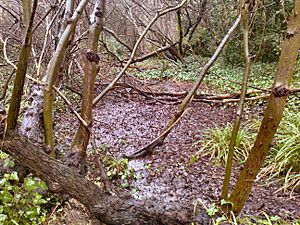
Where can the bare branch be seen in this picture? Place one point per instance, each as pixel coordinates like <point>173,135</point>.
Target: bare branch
<point>158,14</point>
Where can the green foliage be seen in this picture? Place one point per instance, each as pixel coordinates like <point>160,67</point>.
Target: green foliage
<point>229,78</point>
<point>216,142</point>
<point>118,168</point>
<point>215,212</point>
<point>22,202</point>
<point>167,70</point>
<point>115,47</point>
<point>284,157</point>
<point>267,29</point>
<point>283,161</point>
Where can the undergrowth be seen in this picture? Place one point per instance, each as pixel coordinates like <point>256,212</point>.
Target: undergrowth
<point>281,164</point>
<point>118,168</point>
<point>215,212</point>
<point>23,201</point>
<point>222,77</point>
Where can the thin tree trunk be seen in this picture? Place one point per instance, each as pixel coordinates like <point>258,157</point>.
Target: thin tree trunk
<point>179,22</point>
<point>26,5</point>
<point>15,102</point>
<point>159,141</point>
<point>53,70</point>
<point>245,16</point>
<point>273,113</point>
<point>90,72</point>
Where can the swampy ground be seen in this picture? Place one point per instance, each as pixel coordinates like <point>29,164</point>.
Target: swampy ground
<point>125,122</point>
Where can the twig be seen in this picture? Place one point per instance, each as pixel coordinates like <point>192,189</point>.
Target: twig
<point>45,42</point>
<point>52,7</point>
<point>84,123</point>
<point>103,173</point>
<point>5,54</point>
<point>117,38</point>
<point>5,85</point>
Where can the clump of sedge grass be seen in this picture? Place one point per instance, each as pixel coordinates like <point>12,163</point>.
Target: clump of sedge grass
<point>283,161</point>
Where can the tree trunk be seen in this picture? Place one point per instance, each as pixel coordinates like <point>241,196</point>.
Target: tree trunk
<point>273,113</point>
<point>121,209</point>
<point>53,70</point>
<point>15,103</point>
<point>91,61</point>
<point>245,16</point>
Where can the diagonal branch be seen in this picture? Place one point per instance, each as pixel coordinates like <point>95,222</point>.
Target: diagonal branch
<point>158,142</point>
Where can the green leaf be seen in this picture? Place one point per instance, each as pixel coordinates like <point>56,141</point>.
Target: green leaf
<point>211,211</point>
<point>3,218</point>
<point>29,184</point>
<point>3,155</point>
<point>14,176</point>
<point>6,197</point>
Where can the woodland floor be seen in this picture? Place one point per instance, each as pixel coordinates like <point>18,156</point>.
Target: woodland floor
<point>125,122</point>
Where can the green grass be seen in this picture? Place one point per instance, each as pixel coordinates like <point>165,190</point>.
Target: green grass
<point>221,78</point>
<point>216,141</point>
<point>282,164</point>
<point>166,69</point>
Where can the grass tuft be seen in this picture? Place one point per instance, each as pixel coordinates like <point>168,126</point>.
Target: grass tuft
<point>282,164</point>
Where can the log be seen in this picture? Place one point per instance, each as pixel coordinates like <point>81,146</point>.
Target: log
<point>118,209</point>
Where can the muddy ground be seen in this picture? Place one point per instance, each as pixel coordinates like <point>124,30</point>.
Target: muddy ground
<point>124,123</point>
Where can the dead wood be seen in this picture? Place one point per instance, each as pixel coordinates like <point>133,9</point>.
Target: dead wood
<point>176,97</point>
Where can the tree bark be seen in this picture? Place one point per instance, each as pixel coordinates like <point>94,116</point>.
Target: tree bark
<point>53,70</point>
<point>273,113</point>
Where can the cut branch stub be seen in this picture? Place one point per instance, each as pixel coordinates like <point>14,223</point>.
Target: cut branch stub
<point>92,57</point>
<point>98,13</point>
<point>280,91</point>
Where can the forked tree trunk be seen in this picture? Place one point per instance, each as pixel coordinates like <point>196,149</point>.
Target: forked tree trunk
<point>273,113</point>
<point>52,73</point>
